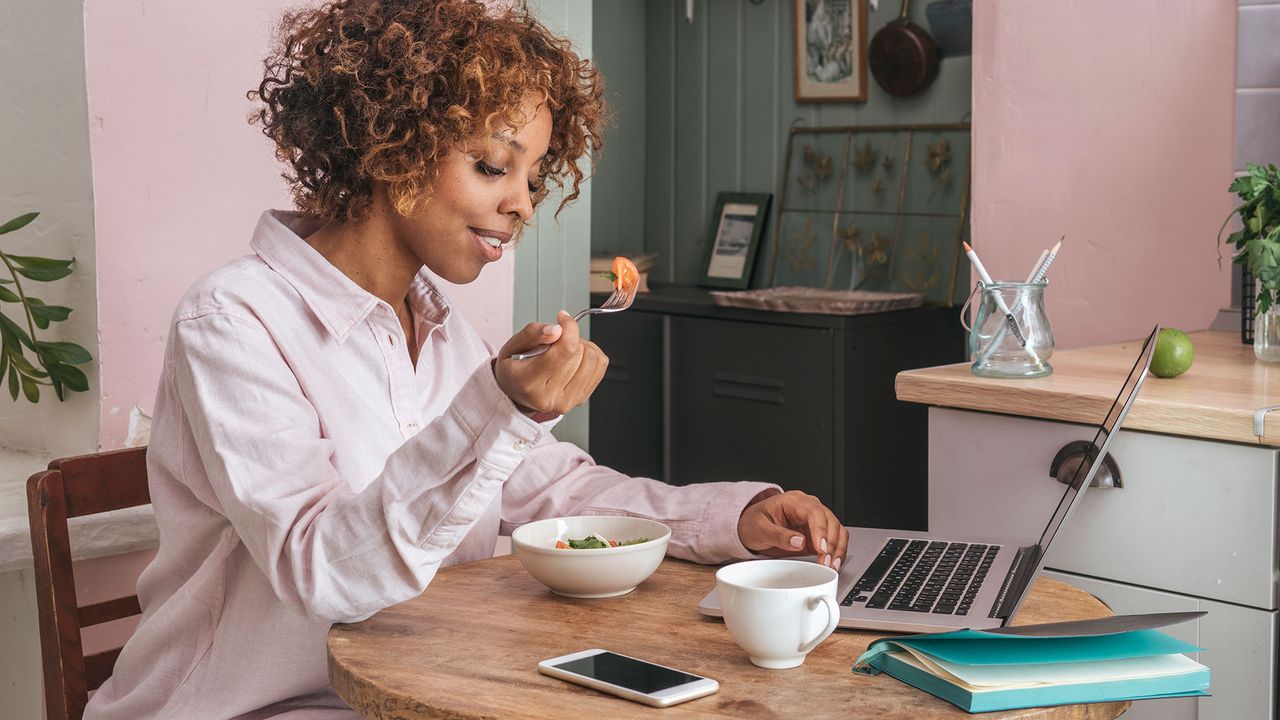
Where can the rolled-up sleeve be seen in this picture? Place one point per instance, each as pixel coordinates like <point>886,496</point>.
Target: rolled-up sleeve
<point>342,555</point>
<point>559,479</point>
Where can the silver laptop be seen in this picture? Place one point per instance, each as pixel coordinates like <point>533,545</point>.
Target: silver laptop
<point>912,581</point>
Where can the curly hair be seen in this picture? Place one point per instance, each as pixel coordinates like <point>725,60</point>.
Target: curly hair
<point>363,91</point>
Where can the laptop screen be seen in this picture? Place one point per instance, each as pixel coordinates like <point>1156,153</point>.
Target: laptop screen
<point>1085,470</point>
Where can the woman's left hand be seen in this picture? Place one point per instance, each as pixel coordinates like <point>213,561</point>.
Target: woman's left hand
<point>793,523</point>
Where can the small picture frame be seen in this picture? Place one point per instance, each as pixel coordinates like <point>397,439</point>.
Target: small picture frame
<point>830,50</point>
<point>736,226</point>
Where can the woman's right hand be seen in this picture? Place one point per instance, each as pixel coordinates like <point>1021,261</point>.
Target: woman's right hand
<point>559,379</point>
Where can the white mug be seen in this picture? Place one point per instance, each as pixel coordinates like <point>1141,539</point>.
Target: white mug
<point>778,610</point>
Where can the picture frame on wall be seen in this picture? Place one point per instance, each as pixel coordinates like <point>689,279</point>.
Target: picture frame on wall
<point>736,227</point>
<point>830,50</point>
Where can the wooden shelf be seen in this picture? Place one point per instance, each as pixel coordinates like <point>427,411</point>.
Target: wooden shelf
<point>1216,398</point>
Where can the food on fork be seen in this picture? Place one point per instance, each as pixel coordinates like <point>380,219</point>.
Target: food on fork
<point>625,276</point>
<point>594,541</point>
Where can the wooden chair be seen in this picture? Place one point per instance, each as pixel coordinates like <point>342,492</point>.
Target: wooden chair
<point>73,487</point>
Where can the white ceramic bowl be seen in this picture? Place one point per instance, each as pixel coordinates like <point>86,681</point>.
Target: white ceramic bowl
<point>593,573</point>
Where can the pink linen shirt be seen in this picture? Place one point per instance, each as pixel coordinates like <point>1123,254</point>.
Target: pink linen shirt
<point>304,472</point>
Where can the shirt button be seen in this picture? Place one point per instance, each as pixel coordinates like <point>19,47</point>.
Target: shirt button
<point>413,427</point>
<point>521,445</point>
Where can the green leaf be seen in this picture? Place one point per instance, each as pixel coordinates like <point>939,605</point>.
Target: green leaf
<point>39,263</point>
<point>8,326</point>
<point>25,367</point>
<point>44,314</point>
<point>63,352</point>
<point>19,222</point>
<point>67,375</point>
<point>30,389</point>
<point>7,295</point>
<point>44,274</point>
<point>13,383</point>
<point>4,363</point>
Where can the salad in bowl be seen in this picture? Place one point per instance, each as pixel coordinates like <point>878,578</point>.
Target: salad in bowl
<point>591,556</point>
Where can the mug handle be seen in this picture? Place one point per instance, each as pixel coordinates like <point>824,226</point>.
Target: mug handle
<point>833,617</point>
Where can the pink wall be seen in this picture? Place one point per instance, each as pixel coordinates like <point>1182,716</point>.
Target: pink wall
<point>180,177</point>
<point>1110,123</point>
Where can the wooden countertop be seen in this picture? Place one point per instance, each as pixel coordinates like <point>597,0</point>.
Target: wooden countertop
<point>469,647</point>
<point>1216,398</point>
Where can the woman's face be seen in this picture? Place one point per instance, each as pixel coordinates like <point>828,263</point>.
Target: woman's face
<point>481,198</point>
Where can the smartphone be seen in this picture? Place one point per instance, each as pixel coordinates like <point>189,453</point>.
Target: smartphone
<point>629,678</point>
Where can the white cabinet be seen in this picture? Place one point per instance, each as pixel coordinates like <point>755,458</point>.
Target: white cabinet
<point>1193,527</point>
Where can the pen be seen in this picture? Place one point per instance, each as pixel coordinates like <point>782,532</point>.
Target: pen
<point>1035,269</point>
<point>1043,270</point>
<point>986,279</point>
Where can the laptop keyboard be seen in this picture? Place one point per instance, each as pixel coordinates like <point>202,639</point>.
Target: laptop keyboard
<point>924,576</point>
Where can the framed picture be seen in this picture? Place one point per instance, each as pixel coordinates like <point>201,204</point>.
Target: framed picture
<point>736,227</point>
<point>831,50</point>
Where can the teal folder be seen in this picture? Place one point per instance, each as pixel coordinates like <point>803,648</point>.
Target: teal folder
<point>1111,659</point>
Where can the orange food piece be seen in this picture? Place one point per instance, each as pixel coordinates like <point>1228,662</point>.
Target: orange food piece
<point>613,543</point>
<point>625,274</point>
<point>562,545</point>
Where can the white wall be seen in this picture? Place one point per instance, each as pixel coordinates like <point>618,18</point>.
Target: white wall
<point>1258,83</point>
<point>44,167</point>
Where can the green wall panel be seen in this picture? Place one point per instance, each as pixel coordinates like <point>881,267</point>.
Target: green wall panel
<point>551,262</point>
<point>718,101</point>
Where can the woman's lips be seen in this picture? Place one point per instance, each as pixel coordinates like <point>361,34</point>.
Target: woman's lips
<point>491,253</point>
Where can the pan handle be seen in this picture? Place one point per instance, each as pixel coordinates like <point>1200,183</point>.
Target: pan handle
<point>902,18</point>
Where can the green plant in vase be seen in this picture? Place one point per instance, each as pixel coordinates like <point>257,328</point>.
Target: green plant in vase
<point>54,361</point>
<point>1257,247</point>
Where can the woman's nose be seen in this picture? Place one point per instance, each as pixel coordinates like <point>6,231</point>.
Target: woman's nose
<point>518,202</point>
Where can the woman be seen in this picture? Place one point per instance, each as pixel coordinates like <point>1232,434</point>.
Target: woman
<point>329,432</point>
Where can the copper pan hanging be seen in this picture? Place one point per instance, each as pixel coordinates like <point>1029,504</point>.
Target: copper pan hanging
<point>902,57</point>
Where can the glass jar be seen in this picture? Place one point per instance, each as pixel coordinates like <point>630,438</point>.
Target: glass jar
<point>1011,337</point>
<point>1266,335</point>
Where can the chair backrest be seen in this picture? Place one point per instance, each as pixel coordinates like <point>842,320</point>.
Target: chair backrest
<point>73,487</point>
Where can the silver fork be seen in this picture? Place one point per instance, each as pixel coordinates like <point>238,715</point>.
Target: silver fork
<point>620,300</point>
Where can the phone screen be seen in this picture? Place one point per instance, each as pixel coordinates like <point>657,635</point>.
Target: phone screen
<point>628,672</point>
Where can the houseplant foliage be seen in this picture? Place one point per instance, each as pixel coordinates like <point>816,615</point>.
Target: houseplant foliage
<point>1257,242</point>
<point>56,361</point>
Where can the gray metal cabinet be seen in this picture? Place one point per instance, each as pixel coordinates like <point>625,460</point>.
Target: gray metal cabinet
<point>626,409</point>
<point>1193,527</point>
<point>696,392</point>
<point>751,402</point>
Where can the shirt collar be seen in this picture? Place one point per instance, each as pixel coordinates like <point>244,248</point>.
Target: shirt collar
<point>338,302</point>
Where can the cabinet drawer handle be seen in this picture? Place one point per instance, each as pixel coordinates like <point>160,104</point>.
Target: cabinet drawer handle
<point>617,372</point>
<point>1071,456</point>
<point>746,387</point>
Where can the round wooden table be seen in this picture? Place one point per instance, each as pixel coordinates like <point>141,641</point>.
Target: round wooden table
<point>469,647</point>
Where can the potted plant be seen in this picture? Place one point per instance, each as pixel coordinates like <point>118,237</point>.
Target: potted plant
<point>54,361</point>
<point>1257,245</point>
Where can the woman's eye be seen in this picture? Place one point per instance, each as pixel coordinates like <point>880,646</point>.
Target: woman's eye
<point>489,170</point>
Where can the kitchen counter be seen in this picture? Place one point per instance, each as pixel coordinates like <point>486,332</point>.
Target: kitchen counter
<point>1218,398</point>
<point>1191,525</point>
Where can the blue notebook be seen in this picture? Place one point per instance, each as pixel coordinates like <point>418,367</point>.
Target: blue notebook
<point>1122,657</point>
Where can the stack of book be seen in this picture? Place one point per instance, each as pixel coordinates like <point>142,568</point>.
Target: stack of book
<point>1116,658</point>
<point>602,266</point>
